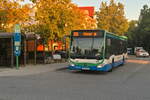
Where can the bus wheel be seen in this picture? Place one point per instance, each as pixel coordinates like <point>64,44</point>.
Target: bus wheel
<point>110,70</point>
<point>123,61</point>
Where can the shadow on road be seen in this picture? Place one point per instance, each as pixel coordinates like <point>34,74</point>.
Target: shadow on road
<point>65,69</point>
<point>61,69</point>
<point>90,72</point>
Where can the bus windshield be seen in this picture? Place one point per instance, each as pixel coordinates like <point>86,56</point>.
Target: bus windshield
<point>87,47</point>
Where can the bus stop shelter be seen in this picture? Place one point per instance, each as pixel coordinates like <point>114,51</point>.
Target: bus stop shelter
<point>28,49</point>
<point>6,49</point>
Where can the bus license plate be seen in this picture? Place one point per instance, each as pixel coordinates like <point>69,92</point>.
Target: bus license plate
<point>85,68</point>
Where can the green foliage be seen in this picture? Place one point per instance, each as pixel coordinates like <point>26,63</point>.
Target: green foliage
<point>140,35</point>
<point>132,26</point>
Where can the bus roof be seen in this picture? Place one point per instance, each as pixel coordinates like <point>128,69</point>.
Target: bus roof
<point>116,36</point>
<point>88,30</point>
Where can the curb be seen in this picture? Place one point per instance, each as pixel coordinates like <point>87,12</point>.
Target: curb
<point>32,69</point>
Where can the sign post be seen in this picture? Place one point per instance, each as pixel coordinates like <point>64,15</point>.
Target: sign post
<point>17,43</point>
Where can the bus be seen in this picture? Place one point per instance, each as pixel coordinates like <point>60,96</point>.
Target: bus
<point>96,50</point>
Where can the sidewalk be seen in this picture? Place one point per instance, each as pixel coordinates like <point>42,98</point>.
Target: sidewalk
<point>138,60</point>
<point>31,69</point>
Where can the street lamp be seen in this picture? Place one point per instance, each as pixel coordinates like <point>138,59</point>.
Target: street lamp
<point>2,24</point>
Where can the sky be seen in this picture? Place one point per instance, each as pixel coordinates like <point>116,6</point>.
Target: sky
<point>132,7</point>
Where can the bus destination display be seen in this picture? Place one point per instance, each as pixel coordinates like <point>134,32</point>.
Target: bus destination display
<point>78,34</point>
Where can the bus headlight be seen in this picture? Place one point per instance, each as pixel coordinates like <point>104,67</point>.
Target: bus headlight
<point>72,64</point>
<point>100,66</point>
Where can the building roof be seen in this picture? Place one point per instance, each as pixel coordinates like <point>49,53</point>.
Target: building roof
<point>10,35</point>
<point>5,35</point>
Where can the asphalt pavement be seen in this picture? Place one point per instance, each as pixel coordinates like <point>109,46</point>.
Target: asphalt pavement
<point>128,82</point>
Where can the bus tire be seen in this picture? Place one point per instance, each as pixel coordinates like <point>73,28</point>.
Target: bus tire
<point>123,61</point>
<point>110,70</point>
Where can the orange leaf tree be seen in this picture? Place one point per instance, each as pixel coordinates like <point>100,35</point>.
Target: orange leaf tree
<point>111,18</point>
<point>13,13</point>
<point>57,17</point>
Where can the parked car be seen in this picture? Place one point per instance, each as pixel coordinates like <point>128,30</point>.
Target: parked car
<point>62,53</point>
<point>142,53</point>
<point>137,48</point>
<point>44,57</point>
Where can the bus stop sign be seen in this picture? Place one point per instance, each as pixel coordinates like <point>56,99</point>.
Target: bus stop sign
<point>17,40</point>
<point>17,28</point>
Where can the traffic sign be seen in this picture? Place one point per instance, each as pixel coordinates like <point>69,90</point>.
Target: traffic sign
<point>17,38</point>
<point>17,50</point>
<point>17,44</point>
<point>17,28</point>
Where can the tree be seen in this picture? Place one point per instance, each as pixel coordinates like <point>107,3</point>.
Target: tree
<point>111,18</point>
<point>57,18</point>
<point>131,32</point>
<point>51,19</point>
<point>140,35</point>
<point>12,13</point>
<point>132,26</point>
<point>144,27</point>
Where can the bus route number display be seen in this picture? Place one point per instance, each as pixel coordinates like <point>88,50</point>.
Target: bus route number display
<point>78,34</point>
<point>84,34</point>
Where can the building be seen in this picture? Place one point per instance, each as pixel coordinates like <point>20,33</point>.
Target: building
<point>89,10</point>
<point>90,20</point>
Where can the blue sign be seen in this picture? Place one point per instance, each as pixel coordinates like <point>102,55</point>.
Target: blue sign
<point>17,52</point>
<point>17,37</point>
<point>17,44</point>
<point>17,40</point>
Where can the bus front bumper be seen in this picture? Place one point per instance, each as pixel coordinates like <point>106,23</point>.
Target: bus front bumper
<point>91,68</point>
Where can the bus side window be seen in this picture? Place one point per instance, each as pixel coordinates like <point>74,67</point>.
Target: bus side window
<point>120,47</point>
<point>108,48</point>
<point>115,49</point>
<point>108,42</point>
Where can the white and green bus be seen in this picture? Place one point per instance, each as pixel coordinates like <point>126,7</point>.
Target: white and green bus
<point>96,50</point>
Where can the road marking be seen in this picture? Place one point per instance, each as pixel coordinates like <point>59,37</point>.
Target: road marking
<point>139,61</point>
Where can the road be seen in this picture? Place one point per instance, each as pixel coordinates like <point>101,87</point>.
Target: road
<point>129,82</point>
